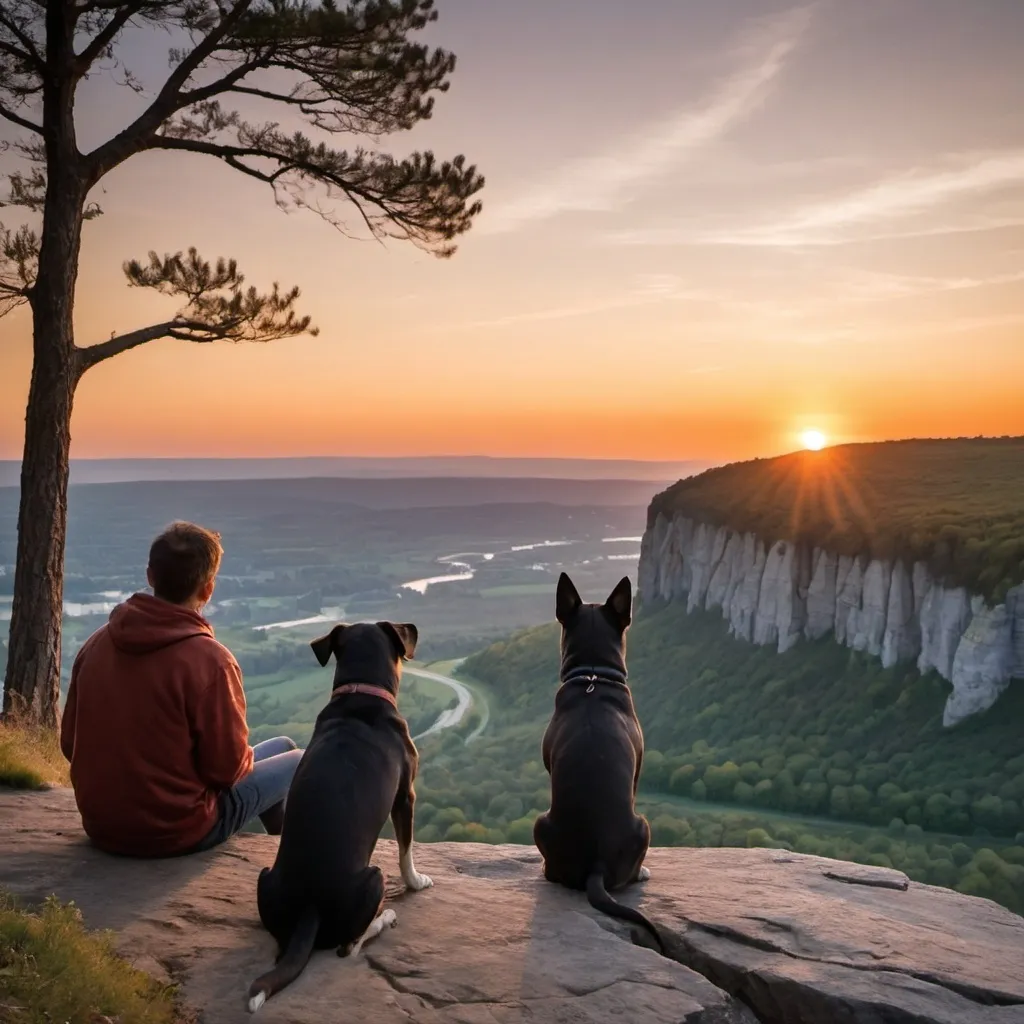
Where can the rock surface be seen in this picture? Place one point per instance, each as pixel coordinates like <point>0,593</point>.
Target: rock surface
<point>774,595</point>
<point>764,934</point>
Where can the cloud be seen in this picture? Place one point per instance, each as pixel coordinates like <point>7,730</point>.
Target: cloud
<point>605,182</point>
<point>871,287</point>
<point>835,221</point>
<point>853,289</point>
<point>648,289</point>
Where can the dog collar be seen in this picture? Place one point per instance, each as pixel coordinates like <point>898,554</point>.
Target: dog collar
<point>593,676</point>
<point>373,691</point>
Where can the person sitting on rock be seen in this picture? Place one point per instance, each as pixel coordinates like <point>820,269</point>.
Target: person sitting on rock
<point>154,724</point>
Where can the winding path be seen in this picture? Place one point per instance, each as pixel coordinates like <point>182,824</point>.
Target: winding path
<point>451,717</point>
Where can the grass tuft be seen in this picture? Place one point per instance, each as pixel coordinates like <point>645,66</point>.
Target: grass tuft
<point>30,757</point>
<point>52,969</point>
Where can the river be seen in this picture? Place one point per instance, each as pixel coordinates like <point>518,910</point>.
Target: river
<point>451,717</point>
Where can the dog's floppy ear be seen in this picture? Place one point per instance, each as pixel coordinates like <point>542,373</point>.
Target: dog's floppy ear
<point>325,646</point>
<point>567,599</point>
<point>620,603</point>
<point>405,636</point>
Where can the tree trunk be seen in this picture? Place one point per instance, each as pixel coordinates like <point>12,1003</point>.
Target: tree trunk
<point>32,682</point>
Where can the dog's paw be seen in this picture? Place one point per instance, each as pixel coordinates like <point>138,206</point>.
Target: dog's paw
<point>418,882</point>
<point>389,919</point>
<point>643,874</point>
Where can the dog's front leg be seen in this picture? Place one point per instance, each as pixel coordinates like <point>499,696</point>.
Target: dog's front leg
<point>401,818</point>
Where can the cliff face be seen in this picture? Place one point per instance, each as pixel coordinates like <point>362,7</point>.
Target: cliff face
<point>752,936</point>
<point>777,594</point>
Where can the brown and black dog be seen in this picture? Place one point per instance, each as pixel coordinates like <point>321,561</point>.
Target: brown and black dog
<point>358,768</point>
<point>592,838</point>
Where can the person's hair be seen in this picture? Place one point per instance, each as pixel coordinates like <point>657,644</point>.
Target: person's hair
<point>182,560</point>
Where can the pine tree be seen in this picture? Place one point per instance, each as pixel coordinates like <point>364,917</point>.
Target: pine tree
<point>346,70</point>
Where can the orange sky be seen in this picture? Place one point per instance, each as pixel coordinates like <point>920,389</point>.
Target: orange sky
<point>751,226</point>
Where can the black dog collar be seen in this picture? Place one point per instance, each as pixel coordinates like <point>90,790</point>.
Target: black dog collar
<point>593,676</point>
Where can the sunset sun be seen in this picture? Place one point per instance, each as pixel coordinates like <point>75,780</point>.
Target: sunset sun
<point>813,440</point>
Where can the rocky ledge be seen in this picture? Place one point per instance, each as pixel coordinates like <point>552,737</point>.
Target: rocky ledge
<point>754,935</point>
<point>775,594</point>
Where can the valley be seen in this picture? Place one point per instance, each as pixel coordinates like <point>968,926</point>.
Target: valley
<point>817,746</point>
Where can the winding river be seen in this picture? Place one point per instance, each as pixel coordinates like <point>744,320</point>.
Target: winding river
<point>451,717</point>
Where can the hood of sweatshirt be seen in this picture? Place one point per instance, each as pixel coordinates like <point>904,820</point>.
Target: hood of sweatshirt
<point>145,623</point>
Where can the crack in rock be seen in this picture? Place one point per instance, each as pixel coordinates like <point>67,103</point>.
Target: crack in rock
<point>735,979</point>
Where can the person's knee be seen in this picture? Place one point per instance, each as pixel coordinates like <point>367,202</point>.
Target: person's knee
<point>292,759</point>
<point>266,749</point>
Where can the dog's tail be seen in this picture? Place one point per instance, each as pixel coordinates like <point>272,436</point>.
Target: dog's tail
<point>291,963</point>
<point>598,897</point>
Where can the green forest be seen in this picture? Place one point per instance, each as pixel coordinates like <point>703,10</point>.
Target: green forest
<point>957,505</point>
<point>819,750</point>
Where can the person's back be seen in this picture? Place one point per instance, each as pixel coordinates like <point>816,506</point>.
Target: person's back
<point>143,687</point>
<point>154,724</point>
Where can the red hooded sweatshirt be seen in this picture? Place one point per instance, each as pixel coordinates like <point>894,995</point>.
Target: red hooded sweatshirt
<point>154,727</point>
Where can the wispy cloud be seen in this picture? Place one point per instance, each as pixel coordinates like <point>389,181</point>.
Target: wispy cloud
<point>647,289</point>
<point>607,181</point>
<point>874,287</point>
<point>863,215</point>
<point>852,289</point>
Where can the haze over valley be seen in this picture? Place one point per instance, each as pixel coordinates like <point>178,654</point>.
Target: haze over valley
<point>818,750</point>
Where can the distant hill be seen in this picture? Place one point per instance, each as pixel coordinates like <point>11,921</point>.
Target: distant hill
<point>100,471</point>
<point>956,505</point>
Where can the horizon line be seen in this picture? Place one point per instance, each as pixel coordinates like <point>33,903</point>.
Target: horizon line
<point>370,458</point>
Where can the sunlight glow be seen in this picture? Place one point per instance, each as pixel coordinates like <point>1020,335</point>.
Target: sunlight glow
<point>814,440</point>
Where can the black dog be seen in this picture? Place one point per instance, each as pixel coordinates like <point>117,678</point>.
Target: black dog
<point>592,838</point>
<point>358,768</point>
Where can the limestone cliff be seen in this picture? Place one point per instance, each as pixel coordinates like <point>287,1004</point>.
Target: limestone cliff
<point>776,594</point>
<point>751,935</point>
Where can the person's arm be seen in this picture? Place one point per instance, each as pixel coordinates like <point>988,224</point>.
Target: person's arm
<point>223,754</point>
<point>67,720</point>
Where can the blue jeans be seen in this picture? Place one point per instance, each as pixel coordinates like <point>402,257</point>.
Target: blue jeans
<point>261,794</point>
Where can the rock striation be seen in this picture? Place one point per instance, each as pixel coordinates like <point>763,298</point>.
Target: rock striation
<point>752,935</point>
<point>777,594</point>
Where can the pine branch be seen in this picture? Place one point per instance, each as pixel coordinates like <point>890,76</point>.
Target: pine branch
<point>22,68</point>
<point>19,262</point>
<point>133,138</point>
<point>416,199</point>
<point>105,35</point>
<point>17,119</point>
<point>217,308</point>
<point>28,189</point>
<point>28,49</point>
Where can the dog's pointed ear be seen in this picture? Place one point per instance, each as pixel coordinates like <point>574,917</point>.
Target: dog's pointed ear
<point>404,635</point>
<point>620,603</point>
<point>325,646</point>
<point>567,599</point>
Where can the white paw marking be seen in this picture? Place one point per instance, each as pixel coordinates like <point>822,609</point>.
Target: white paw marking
<point>257,1001</point>
<point>414,881</point>
<point>645,873</point>
<point>417,882</point>
<point>388,919</point>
